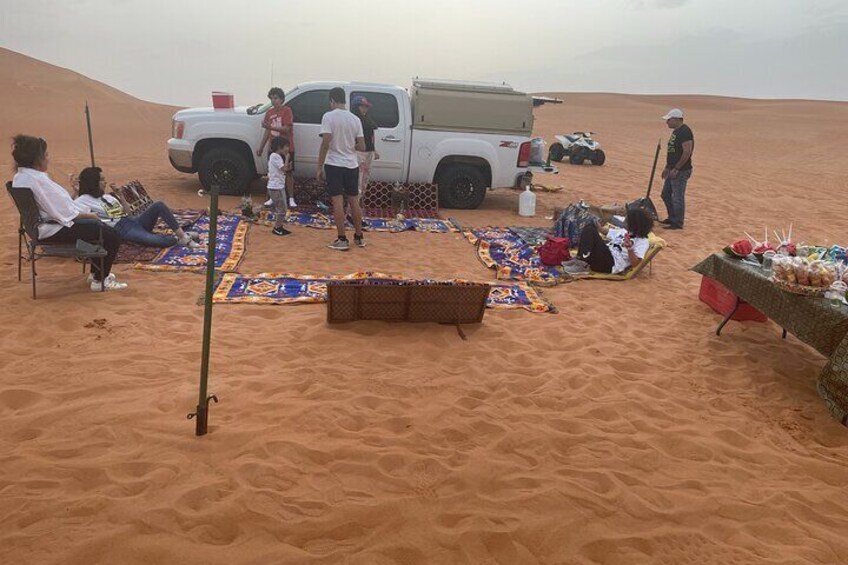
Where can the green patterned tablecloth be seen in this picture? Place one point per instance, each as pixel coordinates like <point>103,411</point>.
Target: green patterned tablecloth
<point>812,320</point>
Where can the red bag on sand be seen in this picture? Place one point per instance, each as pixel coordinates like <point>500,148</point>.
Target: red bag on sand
<point>555,250</point>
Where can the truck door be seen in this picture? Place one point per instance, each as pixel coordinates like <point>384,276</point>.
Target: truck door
<point>308,108</point>
<point>391,139</point>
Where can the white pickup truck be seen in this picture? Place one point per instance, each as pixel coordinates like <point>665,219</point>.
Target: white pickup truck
<point>466,137</point>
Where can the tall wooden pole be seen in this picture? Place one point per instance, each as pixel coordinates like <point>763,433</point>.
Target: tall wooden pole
<point>90,140</point>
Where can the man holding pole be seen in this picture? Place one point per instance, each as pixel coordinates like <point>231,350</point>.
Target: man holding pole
<point>677,170</point>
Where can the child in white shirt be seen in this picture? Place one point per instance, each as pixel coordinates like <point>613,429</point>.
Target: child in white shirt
<point>277,182</point>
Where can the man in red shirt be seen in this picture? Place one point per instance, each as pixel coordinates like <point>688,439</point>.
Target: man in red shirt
<point>278,121</point>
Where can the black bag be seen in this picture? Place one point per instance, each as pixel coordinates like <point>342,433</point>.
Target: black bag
<point>645,204</point>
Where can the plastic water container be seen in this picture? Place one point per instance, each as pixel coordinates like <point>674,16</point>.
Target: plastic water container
<point>223,101</point>
<point>537,151</point>
<point>527,203</point>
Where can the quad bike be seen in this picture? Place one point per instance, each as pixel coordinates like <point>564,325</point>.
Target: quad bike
<point>578,147</point>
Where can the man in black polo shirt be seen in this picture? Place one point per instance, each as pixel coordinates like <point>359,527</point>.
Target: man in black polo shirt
<point>678,169</point>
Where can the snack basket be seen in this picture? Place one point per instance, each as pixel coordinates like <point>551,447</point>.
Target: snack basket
<point>796,288</point>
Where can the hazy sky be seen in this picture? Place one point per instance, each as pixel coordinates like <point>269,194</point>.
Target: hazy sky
<point>177,51</point>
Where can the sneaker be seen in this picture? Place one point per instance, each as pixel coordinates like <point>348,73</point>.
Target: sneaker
<point>193,235</point>
<point>280,231</point>
<point>665,222</point>
<point>292,203</point>
<point>340,245</point>
<point>269,203</point>
<point>188,242</point>
<point>359,241</point>
<point>110,284</point>
<point>109,277</point>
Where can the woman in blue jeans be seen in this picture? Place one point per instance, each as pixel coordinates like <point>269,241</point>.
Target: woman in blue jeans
<point>137,229</point>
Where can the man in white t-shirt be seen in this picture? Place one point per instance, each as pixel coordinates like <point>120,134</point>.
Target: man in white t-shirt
<point>341,138</point>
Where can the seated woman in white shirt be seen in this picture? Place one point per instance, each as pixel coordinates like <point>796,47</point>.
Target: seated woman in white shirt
<point>137,229</point>
<point>62,219</point>
<point>622,248</point>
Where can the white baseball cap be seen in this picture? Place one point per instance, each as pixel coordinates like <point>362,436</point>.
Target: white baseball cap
<point>673,113</point>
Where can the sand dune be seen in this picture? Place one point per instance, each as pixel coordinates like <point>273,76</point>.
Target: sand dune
<point>619,431</point>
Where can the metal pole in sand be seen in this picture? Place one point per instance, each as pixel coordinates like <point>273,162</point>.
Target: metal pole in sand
<point>654,167</point>
<point>88,124</point>
<point>202,414</point>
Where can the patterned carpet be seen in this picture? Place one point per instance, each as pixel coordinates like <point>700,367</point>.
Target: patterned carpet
<point>229,249</point>
<point>287,288</point>
<point>513,258</point>
<point>325,222</point>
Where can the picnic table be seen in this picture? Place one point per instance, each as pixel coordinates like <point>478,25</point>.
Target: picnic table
<point>813,320</point>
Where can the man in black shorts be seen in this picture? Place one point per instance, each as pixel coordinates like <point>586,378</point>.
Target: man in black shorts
<point>341,137</point>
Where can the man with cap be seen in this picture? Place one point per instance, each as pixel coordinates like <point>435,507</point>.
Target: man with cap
<point>678,169</point>
<point>360,106</point>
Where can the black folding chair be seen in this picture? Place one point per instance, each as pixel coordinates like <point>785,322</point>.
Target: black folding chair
<point>35,249</point>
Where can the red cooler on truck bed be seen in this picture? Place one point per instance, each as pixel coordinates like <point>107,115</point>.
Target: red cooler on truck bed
<point>722,301</point>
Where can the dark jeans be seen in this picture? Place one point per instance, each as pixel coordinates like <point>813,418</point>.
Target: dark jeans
<point>89,231</point>
<point>674,196</point>
<point>139,229</point>
<point>593,249</point>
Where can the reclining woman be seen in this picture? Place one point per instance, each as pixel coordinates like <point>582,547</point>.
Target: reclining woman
<point>623,247</point>
<point>137,229</point>
<point>62,219</point>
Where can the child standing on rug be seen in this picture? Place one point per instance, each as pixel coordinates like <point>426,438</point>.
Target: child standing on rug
<point>277,182</point>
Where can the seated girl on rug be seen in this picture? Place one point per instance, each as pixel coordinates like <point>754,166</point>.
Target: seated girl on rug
<point>622,248</point>
<point>62,219</point>
<point>137,229</point>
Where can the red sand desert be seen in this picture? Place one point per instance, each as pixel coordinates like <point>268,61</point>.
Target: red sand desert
<point>619,431</point>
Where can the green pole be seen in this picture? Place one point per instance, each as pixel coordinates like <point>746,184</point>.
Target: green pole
<point>88,124</point>
<point>202,413</point>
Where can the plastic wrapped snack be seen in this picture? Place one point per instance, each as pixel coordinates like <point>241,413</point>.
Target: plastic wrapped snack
<point>802,273</point>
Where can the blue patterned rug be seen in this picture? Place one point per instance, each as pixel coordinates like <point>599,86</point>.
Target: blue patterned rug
<point>287,288</point>
<point>229,248</point>
<point>512,258</point>
<point>394,225</point>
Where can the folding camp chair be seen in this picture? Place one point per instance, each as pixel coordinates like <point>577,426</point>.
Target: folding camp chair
<point>35,249</point>
<point>656,245</point>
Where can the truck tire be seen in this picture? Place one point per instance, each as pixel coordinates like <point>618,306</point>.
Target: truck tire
<point>461,186</point>
<point>227,168</point>
<point>558,152</point>
<point>598,157</point>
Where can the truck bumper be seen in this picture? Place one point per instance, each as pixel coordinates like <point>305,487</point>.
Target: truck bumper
<point>180,155</point>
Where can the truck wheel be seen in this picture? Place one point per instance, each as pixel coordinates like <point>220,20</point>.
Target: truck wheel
<point>577,157</point>
<point>461,186</point>
<point>598,157</point>
<point>227,168</point>
<point>557,152</point>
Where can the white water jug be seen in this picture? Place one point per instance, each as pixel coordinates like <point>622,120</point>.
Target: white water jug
<point>527,203</point>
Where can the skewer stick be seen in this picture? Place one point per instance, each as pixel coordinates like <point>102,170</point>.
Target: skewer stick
<point>777,235</point>
<point>790,231</point>
<point>752,239</point>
